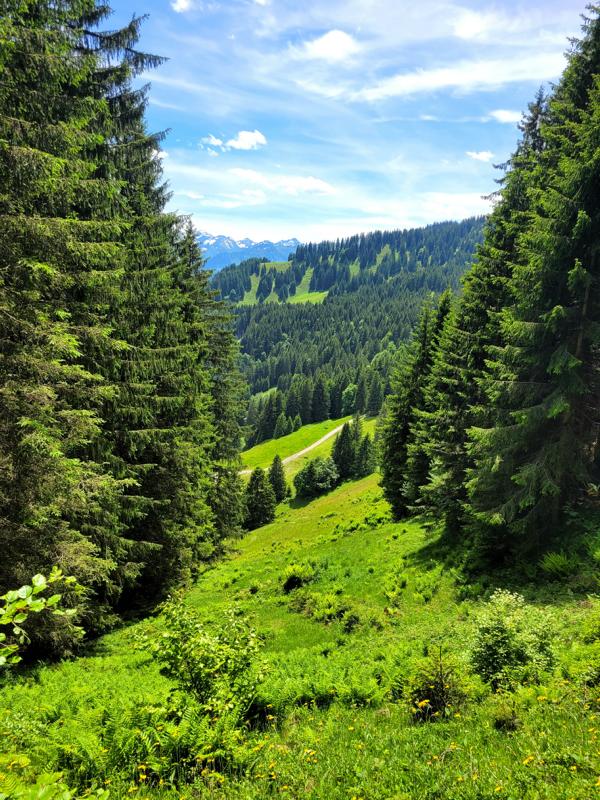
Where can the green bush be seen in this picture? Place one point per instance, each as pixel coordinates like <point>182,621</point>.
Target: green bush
<point>318,477</point>
<point>296,576</point>
<point>559,565</point>
<point>218,666</point>
<point>434,689</point>
<point>513,641</point>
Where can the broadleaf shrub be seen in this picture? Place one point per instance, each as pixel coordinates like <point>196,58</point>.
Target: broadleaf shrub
<point>513,641</point>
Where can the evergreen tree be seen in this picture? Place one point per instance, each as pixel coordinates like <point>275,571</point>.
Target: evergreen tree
<point>297,423</point>
<point>418,457</point>
<point>306,399</point>
<point>281,426</point>
<point>344,453</point>
<point>277,479</point>
<point>542,384</point>
<point>320,401</point>
<point>375,398</point>
<point>365,458</point>
<point>260,500</point>
<point>407,395</point>
<point>349,399</point>
<point>455,399</point>
<point>360,401</point>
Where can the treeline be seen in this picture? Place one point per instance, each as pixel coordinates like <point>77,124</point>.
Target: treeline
<point>368,259</point>
<point>119,396</point>
<point>279,413</point>
<point>494,421</point>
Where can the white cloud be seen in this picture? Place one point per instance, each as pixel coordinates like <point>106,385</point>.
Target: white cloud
<point>480,155</point>
<point>505,116</point>
<point>262,2</point>
<point>293,185</point>
<point>212,140</point>
<point>180,6</point>
<point>474,25</point>
<point>466,76</point>
<point>247,140</point>
<point>332,46</point>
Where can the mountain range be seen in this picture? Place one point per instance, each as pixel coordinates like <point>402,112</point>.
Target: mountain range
<point>221,251</point>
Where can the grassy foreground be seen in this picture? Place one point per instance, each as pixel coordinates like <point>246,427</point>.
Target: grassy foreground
<point>341,651</point>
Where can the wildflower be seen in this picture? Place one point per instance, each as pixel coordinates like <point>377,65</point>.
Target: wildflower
<point>528,760</point>
<point>350,727</point>
<point>422,703</point>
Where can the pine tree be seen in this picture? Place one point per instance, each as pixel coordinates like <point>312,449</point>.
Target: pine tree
<point>365,458</point>
<point>277,479</point>
<point>418,455</point>
<point>61,258</point>
<point>344,452</point>
<point>360,401</point>
<point>260,500</point>
<point>375,398</point>
<point>281,426</point>
<point>349,400</point>
<point>320,401</point>
<point>407,395</point>
<point>454,399</point>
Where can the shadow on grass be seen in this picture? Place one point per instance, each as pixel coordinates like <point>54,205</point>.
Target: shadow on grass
<point>480,571</point>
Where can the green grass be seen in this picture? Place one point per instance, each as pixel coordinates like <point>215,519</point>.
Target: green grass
<point>339,727</point>
<point>303,295</point>
<point>261,455</point>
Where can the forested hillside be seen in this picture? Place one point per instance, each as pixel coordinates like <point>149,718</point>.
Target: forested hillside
<point>346,343</point>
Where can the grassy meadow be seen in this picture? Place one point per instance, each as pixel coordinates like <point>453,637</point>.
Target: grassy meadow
<point>337,713</point>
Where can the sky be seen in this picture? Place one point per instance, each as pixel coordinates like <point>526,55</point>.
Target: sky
<point>323,118</point>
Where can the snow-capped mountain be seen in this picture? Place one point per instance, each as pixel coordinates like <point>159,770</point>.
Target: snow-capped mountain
<point>221,251</point>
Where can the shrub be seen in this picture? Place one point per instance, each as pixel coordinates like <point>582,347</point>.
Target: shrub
<point>318,477</point>
<point>513,641</point>
<point>296,576</point>
<point>218,666</point>
<point>559,565</point>
<point>434,690</point>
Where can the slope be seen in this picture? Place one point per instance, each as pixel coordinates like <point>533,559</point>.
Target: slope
<point>334,712</point>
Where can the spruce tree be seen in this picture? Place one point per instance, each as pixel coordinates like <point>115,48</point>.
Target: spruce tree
<point>260,500</point>
<point>344,452</point>
<point>277,479</point>
<point>364,463</point>
<point>407,394</point>
<point>539,454</point>
<point>320,401</point>
<point>375,398</point>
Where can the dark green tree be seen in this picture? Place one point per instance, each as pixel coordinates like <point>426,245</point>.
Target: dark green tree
<point>364,463</point>
<point>375,398</point>
<point>277,479</point>
<point>542,386</point>
<point>344,453</point>
<point>260,500</point>
<point>320,401</point>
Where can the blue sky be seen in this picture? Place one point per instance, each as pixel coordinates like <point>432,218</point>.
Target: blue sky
<point>323,118</point>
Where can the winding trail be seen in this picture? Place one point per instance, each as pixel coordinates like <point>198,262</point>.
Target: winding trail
<point>306,450</point>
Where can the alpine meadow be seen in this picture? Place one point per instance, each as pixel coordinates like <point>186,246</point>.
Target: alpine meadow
<point>321,527</point>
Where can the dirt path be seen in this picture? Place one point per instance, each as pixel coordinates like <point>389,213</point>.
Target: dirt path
<point>306,450</point>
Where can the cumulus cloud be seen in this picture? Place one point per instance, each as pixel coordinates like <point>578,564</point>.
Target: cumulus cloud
<point>505,116</point>
<point>211,140</point>
<point>333,46</point>
<point>480,155</point>
<point>247,140</point>
<point>180,6</point>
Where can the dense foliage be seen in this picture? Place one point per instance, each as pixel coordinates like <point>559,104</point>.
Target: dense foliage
<point>114,353</point>
<point>500,404</point>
